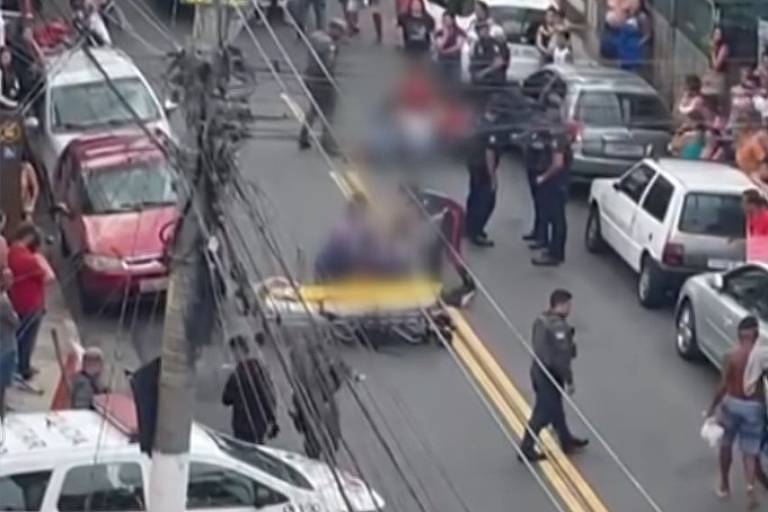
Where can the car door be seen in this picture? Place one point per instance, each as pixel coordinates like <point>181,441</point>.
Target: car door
<point>650,226</point>
<point>619,209</point>
<point>105,486</point>
<point>216,488</point>
<point>744,292</point>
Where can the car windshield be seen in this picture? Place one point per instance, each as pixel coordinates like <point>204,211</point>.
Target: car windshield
<point>517,21</point>
<point>254,456</point>
<point>79,106</point>
<point>597,108</point>
<point>129,188</point>
<point>713,214</point>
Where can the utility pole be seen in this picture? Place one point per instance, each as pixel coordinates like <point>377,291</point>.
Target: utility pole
<point>176,390</point>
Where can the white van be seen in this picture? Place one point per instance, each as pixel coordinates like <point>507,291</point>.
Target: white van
<point>73,461</point>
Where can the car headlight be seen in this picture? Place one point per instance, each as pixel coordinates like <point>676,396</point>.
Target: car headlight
<point>103,263</point>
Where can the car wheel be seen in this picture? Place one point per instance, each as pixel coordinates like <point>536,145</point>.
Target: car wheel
<point>593,235</point>
<point>650,290</point>
<point>685,333</point>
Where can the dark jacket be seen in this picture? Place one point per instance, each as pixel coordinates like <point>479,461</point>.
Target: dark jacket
<point>250,392</point>
<point>84,389</point>
<point>554,346</point>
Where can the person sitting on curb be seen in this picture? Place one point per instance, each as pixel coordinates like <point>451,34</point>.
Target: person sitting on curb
<point>89,381</point>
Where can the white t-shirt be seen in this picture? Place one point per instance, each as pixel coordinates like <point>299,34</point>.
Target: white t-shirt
<point>561,55</point>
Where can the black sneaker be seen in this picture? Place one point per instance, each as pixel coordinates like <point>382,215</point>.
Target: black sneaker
<point>529,237</point>
<point>574,445</point>
<point>482,241</point>
<point>536,245</point>
<point>532,457</point>
<point>545,260</point>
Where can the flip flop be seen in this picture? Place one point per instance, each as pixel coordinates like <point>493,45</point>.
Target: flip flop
<point>722,493</point>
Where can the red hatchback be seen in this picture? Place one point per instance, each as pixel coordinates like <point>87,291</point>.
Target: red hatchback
<point>117,197</point>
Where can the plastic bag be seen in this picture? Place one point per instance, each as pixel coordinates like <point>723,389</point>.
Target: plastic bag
<point>712,432</point>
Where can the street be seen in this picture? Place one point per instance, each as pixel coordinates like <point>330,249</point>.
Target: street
<point>645,402</point>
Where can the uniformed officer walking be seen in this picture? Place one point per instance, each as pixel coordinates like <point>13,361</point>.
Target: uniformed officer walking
<point>482,163</point>
<point>320,85</point>
<point>552,195</point>
<point>554,350</point>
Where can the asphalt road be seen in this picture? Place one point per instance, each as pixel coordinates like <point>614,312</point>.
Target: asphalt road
<point>643,400</point>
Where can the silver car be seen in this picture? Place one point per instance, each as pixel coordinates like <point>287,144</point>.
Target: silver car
<point>711,305</point>
<point>619,115</point>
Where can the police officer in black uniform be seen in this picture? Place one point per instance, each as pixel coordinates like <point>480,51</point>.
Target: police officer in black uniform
<point>554,350</point>
<point>552,194</point>
<point>537,156</point>
<point>482,163</point>
<point>486,63</point>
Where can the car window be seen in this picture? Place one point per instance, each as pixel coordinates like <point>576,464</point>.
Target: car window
<point>599,109</point>
<point>211,486</point>
<point>644,111</point>
<point>117,487</point>
<point>23,492</point>
<point>749,287</point>
<point>517,21</point>
<point>129,188</point>
<point>656,202</point>
<point>253,455</point>
<point>80,106</point>
<point>634,183</point>
<point>713,214</point>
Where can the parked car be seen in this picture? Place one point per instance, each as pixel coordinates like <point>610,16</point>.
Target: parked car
<point>115,195</point>
<point>520,20</point>
<point>618,115</point>
<point>79,100</point>
<point>711,305</point>
<point>76,460</point>
<point>669,219</point>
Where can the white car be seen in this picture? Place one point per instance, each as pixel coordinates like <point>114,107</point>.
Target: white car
<point>71,461</point>
<point>519,18</point>
<point>669,219</point>
<point>78,100</point>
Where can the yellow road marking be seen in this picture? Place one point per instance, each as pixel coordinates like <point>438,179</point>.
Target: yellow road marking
<point>565,479</point>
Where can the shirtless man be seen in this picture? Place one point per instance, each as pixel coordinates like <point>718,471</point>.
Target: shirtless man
<point>740,414</point>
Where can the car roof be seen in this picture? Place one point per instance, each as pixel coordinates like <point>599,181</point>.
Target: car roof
<point>703,176</point>
<point>536,5</point>
<point>596,77</point>
<point>109,150</point>
<point>77,68</point>
<point>76,433</point>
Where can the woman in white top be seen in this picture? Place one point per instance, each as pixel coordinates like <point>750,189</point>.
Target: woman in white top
<point>562,53</point>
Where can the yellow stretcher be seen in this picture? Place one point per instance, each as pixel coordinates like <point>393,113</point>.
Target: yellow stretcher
<point>409,309</point>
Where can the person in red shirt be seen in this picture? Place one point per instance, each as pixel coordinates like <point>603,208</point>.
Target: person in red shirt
<point>27,293</point>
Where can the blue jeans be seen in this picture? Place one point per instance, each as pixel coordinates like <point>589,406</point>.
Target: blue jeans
<point>26,339</point>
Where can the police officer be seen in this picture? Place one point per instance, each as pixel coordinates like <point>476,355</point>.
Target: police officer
<point>320,64</point>
<point>486,61</point>
<point>537,156</point>
<point>482,163</point>
<point>552,194</point>
<point>554,349</point>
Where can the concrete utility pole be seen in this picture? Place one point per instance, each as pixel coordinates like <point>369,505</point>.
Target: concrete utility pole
<point>170,454</point>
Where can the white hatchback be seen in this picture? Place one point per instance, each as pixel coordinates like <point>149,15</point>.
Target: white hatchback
<point>82,97</point>
<point>71,461</point>
<point>669,219</point>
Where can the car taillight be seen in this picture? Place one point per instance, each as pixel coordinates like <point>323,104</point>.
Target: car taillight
<point>673,254</point>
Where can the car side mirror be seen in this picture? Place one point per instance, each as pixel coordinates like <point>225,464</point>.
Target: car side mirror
<point>31,123</point>
<point>170,106</point>
<point>716,282</point>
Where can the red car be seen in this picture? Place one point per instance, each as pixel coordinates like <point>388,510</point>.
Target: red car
<point>117,199</point>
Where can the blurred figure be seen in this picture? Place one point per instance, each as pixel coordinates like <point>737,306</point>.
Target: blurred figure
<point>752,154</point>
<point>320,84</point>
<point>9,322</point>
<point>716,78</point>
<point>449,40</point>
<point>499,74</point>
<point>87,20</point>
<point>377,20</point>
<point>89,382</point>
<point>482,163</point>
<point>692,99</point>
<point>562,53</point>
<point>417,27</point>
<point>10,87</point>
<point>251,394</point>
<point>346,250</point>
<point>545,35</point>
<point>689,141</point>
<point>485,63</point>
<point>30,190</point>
<point>762,69</point>
<point>482,16</point>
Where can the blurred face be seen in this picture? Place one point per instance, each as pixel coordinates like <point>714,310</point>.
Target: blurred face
<point>550,18</point>
<point>92,366</point>
<point>447,21</point>
<point>747,335</point>
<point>417,8</point>
<point>480,12</point>
<point>563,309</point>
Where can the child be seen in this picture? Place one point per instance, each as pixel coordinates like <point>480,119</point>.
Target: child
<point>563,51</point>
<point>88,383</point>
